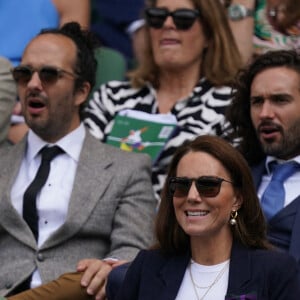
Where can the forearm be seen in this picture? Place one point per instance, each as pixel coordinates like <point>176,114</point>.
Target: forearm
<point>75,10</point>
<point>243,31</point>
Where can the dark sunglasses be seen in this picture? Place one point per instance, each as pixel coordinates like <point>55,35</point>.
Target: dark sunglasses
<point>207,186</point>
<point>182,18</point>
<point>48,75</point>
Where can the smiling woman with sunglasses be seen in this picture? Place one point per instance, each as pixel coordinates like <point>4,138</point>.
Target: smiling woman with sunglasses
<point>210,232</point>
<point>187,69</point>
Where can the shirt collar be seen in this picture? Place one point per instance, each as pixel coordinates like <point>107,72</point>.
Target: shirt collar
<point>271,159</point>
<point>71,143</point>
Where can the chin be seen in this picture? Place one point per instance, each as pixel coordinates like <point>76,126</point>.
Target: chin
<point>168,63</point>
<point>273,149</point>
<point>195,231</point>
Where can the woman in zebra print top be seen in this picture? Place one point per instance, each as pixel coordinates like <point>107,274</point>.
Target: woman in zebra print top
<point>188,70</point>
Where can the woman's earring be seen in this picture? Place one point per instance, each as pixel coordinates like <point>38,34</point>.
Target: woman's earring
<point>233,216</point>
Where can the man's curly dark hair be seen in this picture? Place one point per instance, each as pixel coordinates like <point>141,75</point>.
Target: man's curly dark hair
<point>86,42</point>
<point>238,113</point>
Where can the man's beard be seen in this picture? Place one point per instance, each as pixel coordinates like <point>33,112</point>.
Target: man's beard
<point>289,145</point>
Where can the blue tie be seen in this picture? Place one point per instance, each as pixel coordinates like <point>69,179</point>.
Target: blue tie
<point>274,195</point>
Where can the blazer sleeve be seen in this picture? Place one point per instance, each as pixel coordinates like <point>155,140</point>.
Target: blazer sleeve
<point>132,228</point>
<point>284,282</point>
<point>129,289</point>
<point>8,96</point>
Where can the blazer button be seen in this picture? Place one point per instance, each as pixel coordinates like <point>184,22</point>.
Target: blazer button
<point>8,285</point>
<point>40,257</point>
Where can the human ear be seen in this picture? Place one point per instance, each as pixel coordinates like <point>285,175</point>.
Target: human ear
<point>237,201</point>
<point>82,92</point>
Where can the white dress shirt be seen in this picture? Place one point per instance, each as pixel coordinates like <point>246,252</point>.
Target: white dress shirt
<point>53,199</point>
<point>291,186</point>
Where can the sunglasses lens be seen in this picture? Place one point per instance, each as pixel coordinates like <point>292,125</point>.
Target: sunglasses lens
<point>48,75</point>
<point>184,18</point>
<point>21,74</point>
<point>179,187</point>
<point>156,17</point>
<point>209,187</point>
<point>206,186</point>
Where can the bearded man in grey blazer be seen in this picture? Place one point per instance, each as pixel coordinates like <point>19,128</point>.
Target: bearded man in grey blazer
<point>96,207</point>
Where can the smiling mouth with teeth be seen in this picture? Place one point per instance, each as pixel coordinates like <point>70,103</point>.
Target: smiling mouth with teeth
<point>196,213</point>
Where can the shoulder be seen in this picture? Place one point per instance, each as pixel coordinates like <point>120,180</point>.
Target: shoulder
<point>264,272</point>
<point>122,89</point>
<point>4,64</point>
<point>204,86</point>
<point>258,169</point>
<point>151,254</point>
<point>153,259</point>
<point>274,261</point>
<point>268,262</point>
<point>152,262</point>
<point>279,272</point>
<point>11,156</point>
<point>120,156</point>
<point>114,96</point>
<point>127,158</point>
<point>116,85</point>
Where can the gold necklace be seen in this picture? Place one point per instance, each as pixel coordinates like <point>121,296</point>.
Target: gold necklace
<point>195,286</point>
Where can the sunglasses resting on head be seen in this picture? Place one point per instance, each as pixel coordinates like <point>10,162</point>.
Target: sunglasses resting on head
<point>183,18</point>
<point>47,74</point>
<point>207,186</point>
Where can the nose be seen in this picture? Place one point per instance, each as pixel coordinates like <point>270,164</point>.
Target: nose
<point>267,110</point>
<point>169,23</point>
<point>193,194</point>
<point>35,81</point>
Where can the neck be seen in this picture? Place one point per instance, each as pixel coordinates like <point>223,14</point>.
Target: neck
<point>179,80</point>
<point>175,86</point>
<point>211,251</point>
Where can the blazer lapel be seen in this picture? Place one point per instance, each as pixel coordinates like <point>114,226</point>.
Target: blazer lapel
<point>89,184</point>
<point>171,276</point>
<point>257,173</point>
<point>239,278</point>
<point>286,212</point>
<point>10,219</point>
<point>295,241</point>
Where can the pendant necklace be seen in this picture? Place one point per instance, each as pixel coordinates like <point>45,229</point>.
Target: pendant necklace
<point>209,287</point>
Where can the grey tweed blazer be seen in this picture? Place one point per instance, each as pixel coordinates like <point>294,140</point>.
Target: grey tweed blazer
<point>8,96</point>
<point>111,212</point>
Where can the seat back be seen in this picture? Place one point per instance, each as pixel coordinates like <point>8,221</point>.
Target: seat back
<point>111,66</point>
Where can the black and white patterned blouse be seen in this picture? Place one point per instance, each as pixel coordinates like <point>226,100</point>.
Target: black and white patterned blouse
<point>201,113</point>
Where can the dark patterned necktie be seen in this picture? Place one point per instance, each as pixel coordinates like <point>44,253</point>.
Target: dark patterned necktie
<point>274,195</point>
<point>30,214</point>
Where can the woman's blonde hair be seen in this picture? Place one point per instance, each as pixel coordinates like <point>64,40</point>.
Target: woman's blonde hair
<point>221,59</point>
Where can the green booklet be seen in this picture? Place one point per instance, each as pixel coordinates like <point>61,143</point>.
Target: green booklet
<point>141,132</point>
